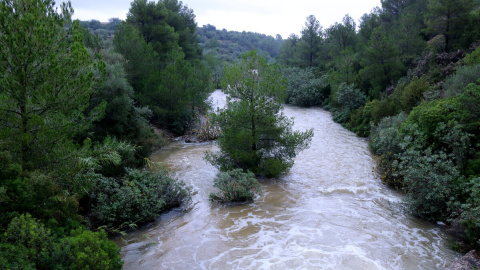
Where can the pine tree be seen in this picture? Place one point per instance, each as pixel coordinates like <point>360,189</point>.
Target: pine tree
<point>46,77</point>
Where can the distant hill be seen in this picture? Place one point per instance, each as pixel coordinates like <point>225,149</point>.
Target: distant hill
<point>228,45</point>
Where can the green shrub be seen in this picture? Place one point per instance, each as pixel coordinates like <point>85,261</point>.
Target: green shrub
<point>379,109</point>
<point>430,168</point>
<point>472,58</point>
<point>464,76</point>
<point>413,93</point>
<point>348,99</point>
<point>385,142</point>
<point>428,115</point>
<point>235,186</point>
<point>26,244</point>
<point>470,216</point>
<point>305,87</point>
<point>85,249</point>
<point>140,196</point>
<point>362,119</point>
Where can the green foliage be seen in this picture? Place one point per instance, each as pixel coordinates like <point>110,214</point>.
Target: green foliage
<point>122,119</point>
<point>136,198</point>
<point>470,215</point>
<point>235,186</point>
<point>429,170</point>
<point>85,249</point>
<point>28,244</point>
<point>25,244</point>
<point>306,87</point>
<point>447,18</point>
<point>381,63</point>
<point>472,58</point>
<point>175,89</point>
<point>229,45</point>
<point>256,135</point>
<point>429,115</point>
<point>40,116</point>
<point>385,142</point>
<point>464,76</point>
<point>288,53</point>
<point>348,98</point>
<point>52,198</point>
<point>110,158</point>
<point>411,95</point>
<point>309,43</point>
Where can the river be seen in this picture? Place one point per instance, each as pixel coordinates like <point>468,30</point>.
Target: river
<point>329,212</point>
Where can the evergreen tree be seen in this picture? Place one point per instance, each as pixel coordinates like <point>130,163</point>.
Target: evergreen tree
<point>45,81</point>
<point>447,18</point>
<point>256,135</point>
<point>310,41</point>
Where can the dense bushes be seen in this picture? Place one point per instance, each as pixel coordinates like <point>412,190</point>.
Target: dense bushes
<point>138,197</point>
<point>347,99</point>
<point>464,76</point>
<point>306,87</point>
<point>28,244</point>
<point>235,186</point>
<point>431,155</point>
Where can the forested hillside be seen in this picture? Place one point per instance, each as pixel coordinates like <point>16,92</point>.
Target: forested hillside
<point>222,46</point>
<point>407,76</point>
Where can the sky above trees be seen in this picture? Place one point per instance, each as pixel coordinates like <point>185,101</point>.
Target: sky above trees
<point>269,17</point>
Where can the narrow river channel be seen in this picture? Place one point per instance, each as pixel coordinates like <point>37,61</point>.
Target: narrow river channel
<point>330,212</point>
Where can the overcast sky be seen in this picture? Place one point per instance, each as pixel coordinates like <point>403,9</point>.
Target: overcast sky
<point>269,17</point>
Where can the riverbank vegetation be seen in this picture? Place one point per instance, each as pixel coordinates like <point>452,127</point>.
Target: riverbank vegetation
<point>76,116</point>
<point>407,77</point>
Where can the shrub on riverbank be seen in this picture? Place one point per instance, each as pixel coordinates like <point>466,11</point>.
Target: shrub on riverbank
<point>306,87</point>
<point>136,198</point>
<point>28,244</point>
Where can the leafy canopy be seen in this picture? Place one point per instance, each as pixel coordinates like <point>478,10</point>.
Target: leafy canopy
<point>256,135</point>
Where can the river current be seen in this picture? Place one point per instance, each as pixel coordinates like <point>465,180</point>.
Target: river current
<point>329,212</point>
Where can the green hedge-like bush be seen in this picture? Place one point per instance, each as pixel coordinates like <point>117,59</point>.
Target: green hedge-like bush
<point>348,99</point>
<point>305,87</point>
<point>138,197</point>
<point>85,249</point>
<point>464,76</point>
<point>235,186</point>
<point>28,244</point>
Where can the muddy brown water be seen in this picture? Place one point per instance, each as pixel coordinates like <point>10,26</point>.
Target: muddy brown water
<point>329,212</point>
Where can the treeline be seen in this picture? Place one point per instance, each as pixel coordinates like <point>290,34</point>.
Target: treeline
<point>408,77</point>
<point>222,47</point>
<point>76,116</point>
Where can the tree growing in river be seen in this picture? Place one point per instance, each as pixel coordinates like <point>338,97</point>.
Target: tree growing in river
<point>256,135</point>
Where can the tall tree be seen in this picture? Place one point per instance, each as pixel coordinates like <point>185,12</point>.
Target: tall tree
<point>342,35</point>
<point>182,19</point>
<point>45,81</point>
<point>256,135</point>
<point>288,54</point>
<point>447,17</point>
<point>382,65</point>
<point>151,19</point>
<point>310,41</point>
